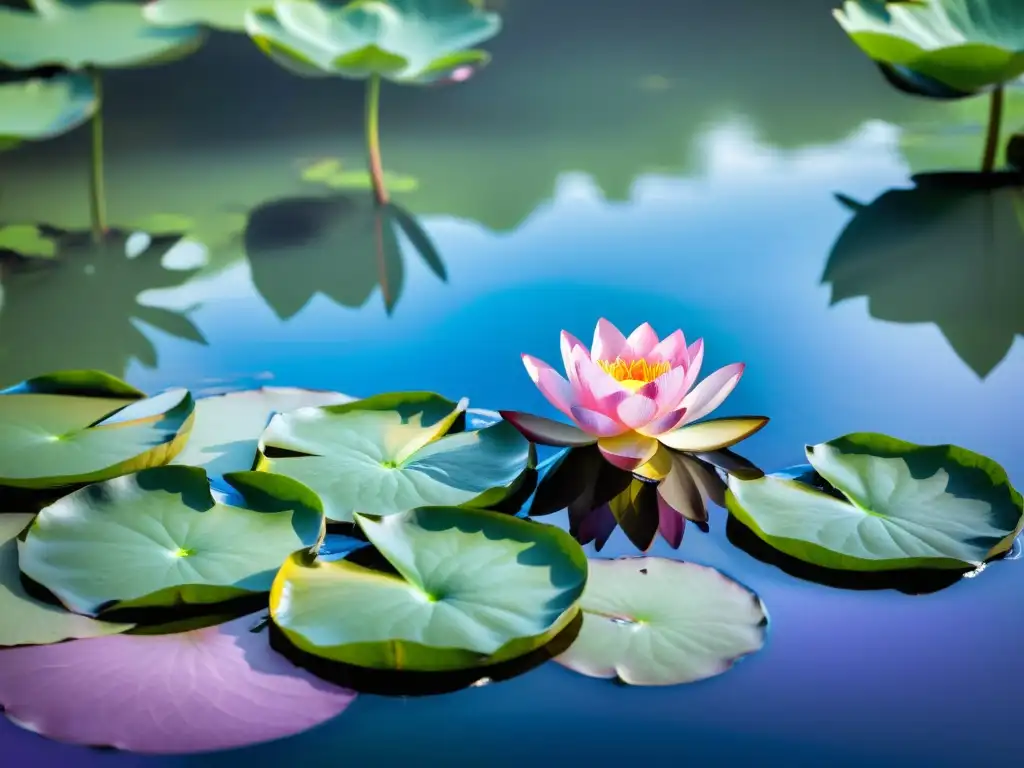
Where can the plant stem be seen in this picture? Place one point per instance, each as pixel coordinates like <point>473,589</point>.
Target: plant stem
<point>373,139</point>
<point>995,124</point>
<point>97,194</point>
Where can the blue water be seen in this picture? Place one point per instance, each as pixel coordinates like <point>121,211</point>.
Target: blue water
<point>730,247</point>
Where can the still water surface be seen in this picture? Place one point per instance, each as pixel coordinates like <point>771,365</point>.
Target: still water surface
<point>671,166</point>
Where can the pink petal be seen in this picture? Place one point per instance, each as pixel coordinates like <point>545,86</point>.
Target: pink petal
<point>556,389</point>
<point>543,431</point>
<point>671,524</point>
<point>667,390</point>
<point>628,451</point>
<point>711,392</point>
<point>569,343</point>
<point>598,389</point>
<point>594,423</point>
<point>696,355</point>
<point>671,350</point>
<point>641,342</point>
<point>608,341</point>
<point>663,424</point>
<point>637,410</point>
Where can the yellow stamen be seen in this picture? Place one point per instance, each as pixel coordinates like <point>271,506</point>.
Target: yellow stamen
<point>633,374</point>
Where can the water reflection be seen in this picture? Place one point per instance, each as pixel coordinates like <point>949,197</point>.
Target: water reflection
<point>81,309</point>
<point>340,246</point>
<point>948,251</point>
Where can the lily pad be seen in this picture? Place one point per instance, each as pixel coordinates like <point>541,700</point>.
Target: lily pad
<point>392,453</point>
<point>226,15</point>
<point>219,687</point>
<point>333,173</point>
<point>37,109</point>
<point>75,427</point>
<point>160,538</point>
<point>26,620</point>
<point>89,33</point>
<point>896,505</point>
<point>27,241</point>
<point>470,588</point>
<point>944,251</point>
<point>227,427</point>
<point>653,621</point>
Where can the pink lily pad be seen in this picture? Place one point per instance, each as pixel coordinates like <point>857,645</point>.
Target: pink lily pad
<point>201,690</point>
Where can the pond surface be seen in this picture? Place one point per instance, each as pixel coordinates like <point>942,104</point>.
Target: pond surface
<point>672,165</point>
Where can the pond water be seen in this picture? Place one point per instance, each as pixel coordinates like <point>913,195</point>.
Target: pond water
<point>645,161</point>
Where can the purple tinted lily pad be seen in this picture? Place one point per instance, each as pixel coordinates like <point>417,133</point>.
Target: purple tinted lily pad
<point>218,687</point>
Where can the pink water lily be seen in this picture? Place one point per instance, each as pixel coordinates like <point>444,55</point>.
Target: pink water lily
<point>632,394</point>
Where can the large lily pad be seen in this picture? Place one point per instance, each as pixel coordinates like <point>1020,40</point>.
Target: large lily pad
<point>227,15</point>
<point>890,505</point>
<point>217,687</point>
<point>227,427</point>
<point>75,427</point>
<point>161,538</point>
<point>89,33</point>
<point>966,45</point>
<point>26,620</point>
<point>339,246</point>
<point>38,109</point>
<point>392,453</point>
<point>945,252</point>
<point>470,588</point>
<point>653,621</point>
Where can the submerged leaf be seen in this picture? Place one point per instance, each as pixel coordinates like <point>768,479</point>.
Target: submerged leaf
<point>37,109</point>
<point>652,621</point>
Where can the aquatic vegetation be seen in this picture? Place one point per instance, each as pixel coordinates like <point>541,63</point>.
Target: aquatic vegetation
<point>944,49</point>
<point>90,36</point>
<point>26,241</point>
<point>629,396</point>
<point>169,690</point>
<point>179,541</point>
<point>885,504</point>
<point>414,42</point>
<point>474,588</point>
<point>407,450</point>
<point>74,427</point>
<point>225,15</point>
<point>652,621</point>
<point>333,173</point>
<point>36,109</point>
<point>340,246</point>
<point>896,251</point>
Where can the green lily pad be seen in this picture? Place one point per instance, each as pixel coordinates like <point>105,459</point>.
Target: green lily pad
<point>27,240</point>
<point>161,538</point>
<point>75,427</point>
<point>896,505</point>
<point>41,109</point>
<point>227,427</point>
<point>26,620</point>
<point>471,588</point>
<point>953,42</point>
<point>654,621</point>
<point>406,41</point>
<point>332,173</point>
<point>392,453</point>
<point>226,15</point>
<point>89,33</point>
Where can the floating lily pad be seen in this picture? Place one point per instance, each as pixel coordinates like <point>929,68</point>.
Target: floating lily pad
<point>85,426</point>
<point>161,538</point>
<point>653,621</point>
<point>88,33</point>
<point>207,689</point>
<point>227,15</point>
<point>470,588</point>
<point>26,620</point>
<point>39,109</point>
<point>392,453</point>
<point>895,505</point>
<point>227,427</point>
<point>332,173</point>
<point>28,241</point>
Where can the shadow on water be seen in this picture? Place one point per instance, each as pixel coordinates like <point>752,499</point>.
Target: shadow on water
<point>79,308</point>
<point>948,251</point>
<point>341,246</point>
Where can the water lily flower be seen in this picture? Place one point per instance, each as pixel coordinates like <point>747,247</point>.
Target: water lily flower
<point>633,394</point>
<point>943,48</point>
